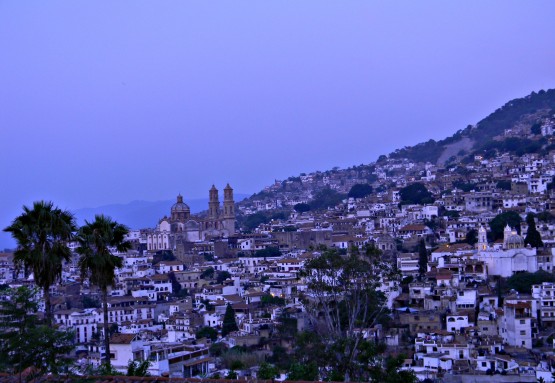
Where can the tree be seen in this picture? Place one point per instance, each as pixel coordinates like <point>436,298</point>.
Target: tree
<point>97,263</point>
<point>533,237</point>
<point>472,237</point>
<point>307,372</point>
<point>138,368</point>
<point>546,216</point>
<point>270,300</point>
<point>207,332</point>
<point>42,233</point>
<point>415,193</point>
<point>268,252</point>
<point>498,224</point>
<point>222,276</point>
<point>177,290</point>
<point>231,375</point>
<point>267,371</point>
<point>254,220</point>
<point>24,341</point>
<point>503,185</point>
<point>422,258</point>
<point>360,191</point>
<point>208,273</point>
<point>326,198</point>
<point>229,324</point>
<point>391,373</point>
<point>301,207</point>
<point>343,298</point>
<point>522,282</point>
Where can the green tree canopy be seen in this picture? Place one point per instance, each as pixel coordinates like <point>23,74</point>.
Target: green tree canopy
<point>522,282</point>
<point>533,237</point>
<point>97,262</point>
<point>303,371</point>
<point>24,341</point>
<point>138,368</point>
<point>268,252</point>
<point>503,185</point>
<point>222,276</point>
<point>208,273</point>
<point>344,298</point>
<point>229,324</point>
<point>415,193</point>
<point>267,371</point>
<point>326,198</point>
<point>497,224</point>
<point>42,234</point>
<point>301,207</point>
<point>422,258</point>
<point>252,221</point>
<point>360,191</point>
<point>269,300</point>
<point>207,332</point>
<point>472,237</point>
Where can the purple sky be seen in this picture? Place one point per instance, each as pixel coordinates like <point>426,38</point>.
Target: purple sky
<point>108,102</point>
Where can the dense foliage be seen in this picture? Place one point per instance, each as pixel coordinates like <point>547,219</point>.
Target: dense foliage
<point>533,237</point>
<point>42,233</point>
<point>326,198</point>
<point>542,102</point>
<point>252,221</point>
<point>415,193</point>
<point>360,191</point>
<point>97,263</point>
<point>25,341</point>
<point>229,324</point>
<point>342,298</point>
<point>301,207</point>
<point>498,224</point>
<point>522,282</point>
<point>268,252</point>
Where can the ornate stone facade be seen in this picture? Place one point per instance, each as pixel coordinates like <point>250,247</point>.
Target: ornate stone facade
<point>182,227</point>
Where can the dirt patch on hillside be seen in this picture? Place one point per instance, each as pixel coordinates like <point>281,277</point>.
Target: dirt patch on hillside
<point>454,149</point>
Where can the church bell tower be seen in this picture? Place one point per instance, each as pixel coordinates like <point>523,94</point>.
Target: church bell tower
<point>213,204</point>
<point>229,210</point>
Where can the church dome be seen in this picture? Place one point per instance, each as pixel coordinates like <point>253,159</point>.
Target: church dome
<point>180,206</point>
<point>515,240</point>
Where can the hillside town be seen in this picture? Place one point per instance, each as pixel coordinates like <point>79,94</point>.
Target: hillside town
<point>456,235</point>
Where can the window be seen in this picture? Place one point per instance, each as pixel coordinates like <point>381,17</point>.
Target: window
<point>522,321</point>
<point>522,332</point>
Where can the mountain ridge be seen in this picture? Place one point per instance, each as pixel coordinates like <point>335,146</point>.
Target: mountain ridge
<point>513,127</point>
<point>519,113</point>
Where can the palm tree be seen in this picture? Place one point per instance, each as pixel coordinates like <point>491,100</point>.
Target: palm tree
<point>97,240</point>
<point>42,234</point>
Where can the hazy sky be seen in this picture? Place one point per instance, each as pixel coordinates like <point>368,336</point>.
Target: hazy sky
<point>112,101</point>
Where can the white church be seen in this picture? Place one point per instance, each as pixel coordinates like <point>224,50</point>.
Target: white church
<point>510,258</point>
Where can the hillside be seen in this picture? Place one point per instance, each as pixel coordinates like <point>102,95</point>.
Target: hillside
<point>515,128</point>
<point>514,120</point>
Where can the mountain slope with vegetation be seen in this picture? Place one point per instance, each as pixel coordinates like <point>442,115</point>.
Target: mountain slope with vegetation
<point>521,126</point>
<point>519,115</point>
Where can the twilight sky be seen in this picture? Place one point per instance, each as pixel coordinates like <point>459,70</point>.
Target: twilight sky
<point>108,102</point>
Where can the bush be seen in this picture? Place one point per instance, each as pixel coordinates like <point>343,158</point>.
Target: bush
<point>360,191</point>
<point>522,282</point>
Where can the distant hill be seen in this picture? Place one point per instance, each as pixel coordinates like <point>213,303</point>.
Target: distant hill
<point>135,214</point>
<point>142,214</point>
<point>519,114</point>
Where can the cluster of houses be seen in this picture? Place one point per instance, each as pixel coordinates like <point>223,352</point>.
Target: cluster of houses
<point>447,313</point>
